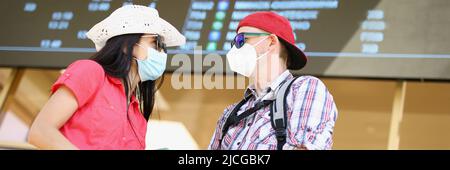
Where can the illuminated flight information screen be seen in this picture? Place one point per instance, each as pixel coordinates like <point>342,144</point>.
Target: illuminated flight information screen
<point>350,38</point>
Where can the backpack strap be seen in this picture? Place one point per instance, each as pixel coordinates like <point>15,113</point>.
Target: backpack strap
<point>278,113</point>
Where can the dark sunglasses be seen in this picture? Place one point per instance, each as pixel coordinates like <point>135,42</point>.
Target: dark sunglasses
<point>239,39</point>
<point>160,45</point>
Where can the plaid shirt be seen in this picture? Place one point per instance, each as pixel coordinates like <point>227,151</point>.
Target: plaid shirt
<point>311,115</point>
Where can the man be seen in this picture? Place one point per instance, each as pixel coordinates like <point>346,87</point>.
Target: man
<point>263,50</point>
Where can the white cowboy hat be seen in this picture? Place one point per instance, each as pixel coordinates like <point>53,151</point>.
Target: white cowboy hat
<point>131,19</point>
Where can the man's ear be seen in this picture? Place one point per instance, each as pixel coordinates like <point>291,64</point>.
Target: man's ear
<point>273,40</point>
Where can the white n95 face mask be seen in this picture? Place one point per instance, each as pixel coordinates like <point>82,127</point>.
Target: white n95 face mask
<point>243,60</point>
<point>153,66</point>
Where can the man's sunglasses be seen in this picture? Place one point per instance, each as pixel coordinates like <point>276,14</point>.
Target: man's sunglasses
<point>160,45</point>
<point>239,39</point>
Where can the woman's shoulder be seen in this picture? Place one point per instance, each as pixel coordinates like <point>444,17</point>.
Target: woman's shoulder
<point>89,67</point>
<point>86,64</point>
<point>85,69</point>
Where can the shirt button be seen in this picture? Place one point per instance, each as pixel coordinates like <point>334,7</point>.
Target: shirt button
<point>123,138</point>
<point>67,74</point>
<point>249,124</point>
<point>238,143</point>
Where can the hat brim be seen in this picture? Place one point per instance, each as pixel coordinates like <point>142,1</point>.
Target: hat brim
<point>297,57</point>
<point>171,35</point>
<point>134,19</point>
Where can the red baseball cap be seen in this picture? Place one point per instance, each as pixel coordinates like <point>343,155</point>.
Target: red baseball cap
<point>280,26</point>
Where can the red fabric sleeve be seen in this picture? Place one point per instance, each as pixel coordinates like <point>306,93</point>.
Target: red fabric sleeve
<point>83,78</point>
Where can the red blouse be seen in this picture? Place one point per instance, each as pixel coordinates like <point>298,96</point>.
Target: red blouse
<point>101,120</point>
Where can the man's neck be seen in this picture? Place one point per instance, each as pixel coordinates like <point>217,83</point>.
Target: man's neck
<point>264,81</point>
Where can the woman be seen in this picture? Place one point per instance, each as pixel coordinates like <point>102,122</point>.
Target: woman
<point>105,102</point>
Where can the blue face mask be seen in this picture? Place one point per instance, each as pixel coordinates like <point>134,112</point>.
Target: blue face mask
<point>153,66</point>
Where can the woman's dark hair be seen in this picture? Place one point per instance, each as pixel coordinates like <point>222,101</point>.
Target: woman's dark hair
<point>115,58</point>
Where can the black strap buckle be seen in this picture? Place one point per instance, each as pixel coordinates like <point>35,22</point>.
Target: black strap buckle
<point>280,133</point>
<point>281,138</point>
